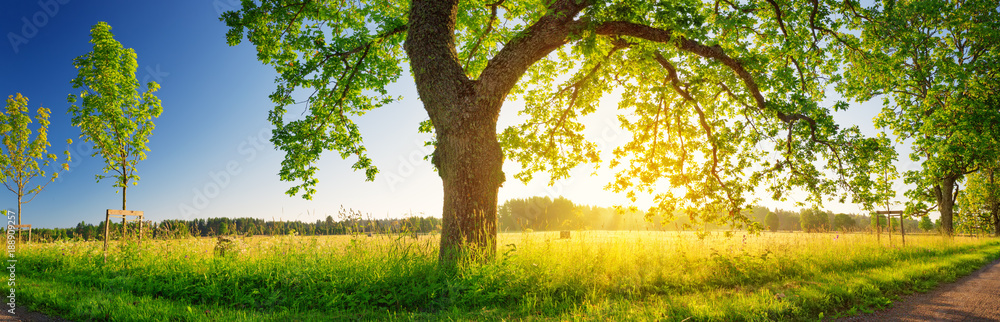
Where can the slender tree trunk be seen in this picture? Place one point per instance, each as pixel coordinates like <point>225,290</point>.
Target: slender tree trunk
<point>944,193</point>
<point>125,184</point>
<point>19,196</point>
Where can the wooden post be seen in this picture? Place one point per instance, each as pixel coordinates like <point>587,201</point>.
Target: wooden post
<point>107,231</point>
<point>878,228</point>
<point>124,214</point>
<point>20,228</point>
<point>902,231</point>
<point>888,216</point>
<point>888,219</point>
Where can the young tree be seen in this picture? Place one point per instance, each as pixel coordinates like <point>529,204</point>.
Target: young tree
<point>772,221</point>
<point>720,97</point>
<point>113,113</point>
<point>934,63</point>
<point>926,224</point>
<point>19,162</point>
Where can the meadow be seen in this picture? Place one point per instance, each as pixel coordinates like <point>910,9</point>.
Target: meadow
<point>595,275</point>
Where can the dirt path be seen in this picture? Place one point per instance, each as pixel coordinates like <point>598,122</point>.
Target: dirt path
<point>972,298</point>
<point>23,314</point>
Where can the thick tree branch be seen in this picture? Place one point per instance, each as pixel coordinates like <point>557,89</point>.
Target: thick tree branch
<point>547,34</point>
<point>430,45</point>
<point>777,14</point>
<point>622,28</point>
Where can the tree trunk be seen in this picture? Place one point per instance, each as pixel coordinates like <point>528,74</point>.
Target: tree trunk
<point>944,193</point>
<point>19,196</point>
<point>467,155</point>
<point>464,112</point>
<point>124,184</point>
<point>469,161</point>
<point>996,220</point>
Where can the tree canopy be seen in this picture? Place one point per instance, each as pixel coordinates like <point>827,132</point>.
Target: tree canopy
<point>24,158</point>
<point>934,64</point>
<point>722,98</point>
<point>979,203</point>
<point>112,112</point>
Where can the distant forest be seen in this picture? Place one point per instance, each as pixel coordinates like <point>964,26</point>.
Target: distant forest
<point>349,222</point>
<point>544,213</point>
<point>515,215</point>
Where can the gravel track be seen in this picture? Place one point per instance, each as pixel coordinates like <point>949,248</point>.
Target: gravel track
<point>972,298</point>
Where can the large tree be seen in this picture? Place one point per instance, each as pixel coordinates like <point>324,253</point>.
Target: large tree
<point>721,96</point>
<point>934,63</point>
<point>25,158</point>
<point>113,113</point>
<point>979,203</point>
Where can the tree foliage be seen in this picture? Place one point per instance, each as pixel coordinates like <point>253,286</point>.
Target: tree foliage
<point>113,113</point>
<point>843,222</point>
<point>772,221</point>
<point>24,158</point>
<point>814,220</point>
<point>722,98</point>
<point>926,224</point>
<point>934,64</point>
<point>979,203</point>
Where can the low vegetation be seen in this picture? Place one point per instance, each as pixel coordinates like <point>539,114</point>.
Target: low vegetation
<point>594,275</point>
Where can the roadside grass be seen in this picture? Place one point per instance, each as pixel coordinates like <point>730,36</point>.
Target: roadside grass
<point>593,276</point>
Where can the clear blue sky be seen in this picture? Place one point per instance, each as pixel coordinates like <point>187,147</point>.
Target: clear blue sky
<point>214,114</point>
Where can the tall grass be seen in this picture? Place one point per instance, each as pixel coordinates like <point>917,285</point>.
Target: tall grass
<point>594,275</point>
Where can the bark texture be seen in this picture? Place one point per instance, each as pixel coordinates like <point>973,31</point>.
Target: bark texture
<point>994,204</point>
<point>467,155</point>
<point>945,195</point>
<point>464,112</point>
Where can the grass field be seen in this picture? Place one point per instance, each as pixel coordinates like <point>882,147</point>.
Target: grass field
<point>592,276</point>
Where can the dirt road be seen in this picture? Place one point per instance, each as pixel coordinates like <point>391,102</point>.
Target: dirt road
<point>24,314</point>
<point>972,298</point>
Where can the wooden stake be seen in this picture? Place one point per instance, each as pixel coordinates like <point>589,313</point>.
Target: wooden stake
<point>902,232</point>
<point>107,231</point>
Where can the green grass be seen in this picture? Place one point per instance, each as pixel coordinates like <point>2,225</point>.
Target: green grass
<point>593,276</point>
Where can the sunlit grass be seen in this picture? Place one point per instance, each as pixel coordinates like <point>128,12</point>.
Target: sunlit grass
<point>594,275</point>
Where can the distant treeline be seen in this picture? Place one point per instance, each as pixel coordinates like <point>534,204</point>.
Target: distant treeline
<point>814,220</point>
<point>535,213</point>
<point>350,222</point>
<point>544,213</point>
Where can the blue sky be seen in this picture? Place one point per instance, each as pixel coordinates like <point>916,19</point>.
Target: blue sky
<point>214,118</point>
